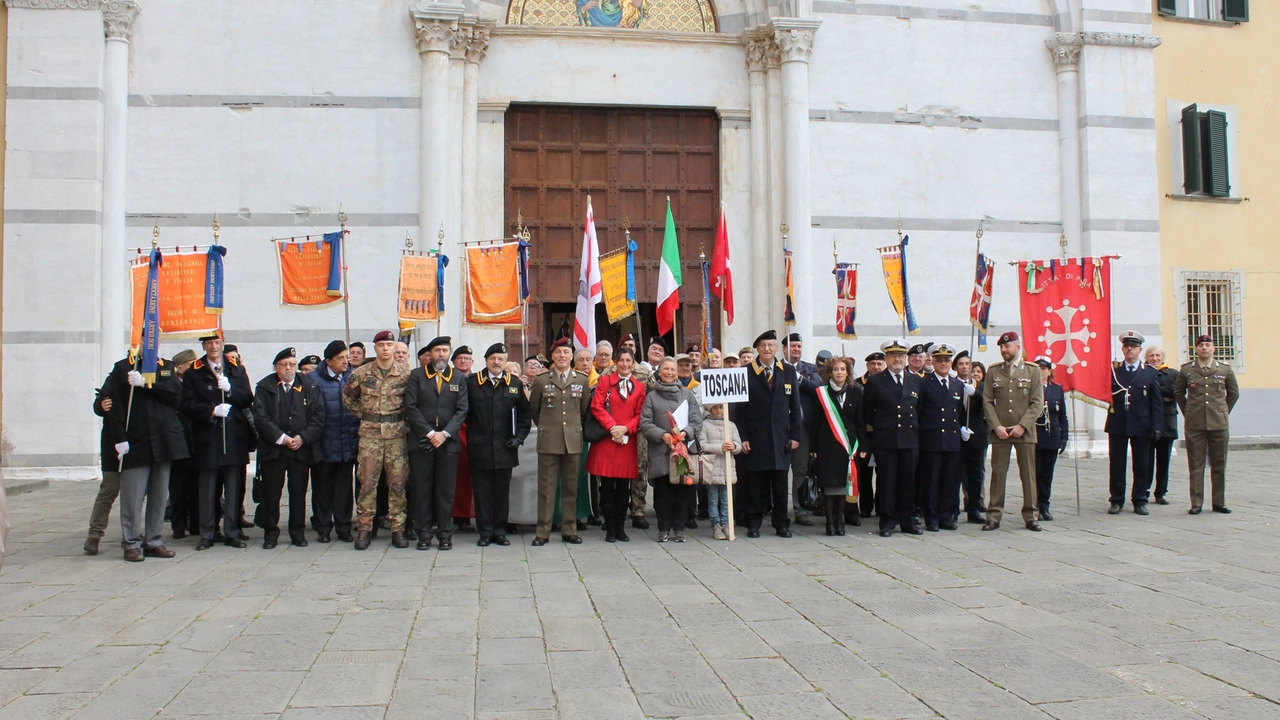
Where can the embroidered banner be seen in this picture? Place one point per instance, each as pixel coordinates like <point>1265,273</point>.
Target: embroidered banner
<point>789,302</point>
<point>619,298</point>
<point>417,300</point>
<point>307,271</point>
<point>846,300</point>
<point>493,284</point>
<point>183,313</point>
<point>980,303</point>
<point>1066,317</point>
<point>893,259</point>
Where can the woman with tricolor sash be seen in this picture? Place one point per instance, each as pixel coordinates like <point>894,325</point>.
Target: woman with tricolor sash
<point>837,436</point>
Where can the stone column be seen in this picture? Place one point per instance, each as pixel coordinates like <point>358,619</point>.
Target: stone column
<point>776,188</point>
<point>477,46</point>
<point>757,44</point>
<point>795,43</point>
<point>117,20</point>
<point>1065,48</point>
<point>436,25</point>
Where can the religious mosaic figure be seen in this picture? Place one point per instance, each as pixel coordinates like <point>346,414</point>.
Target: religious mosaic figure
<point>611,13</point>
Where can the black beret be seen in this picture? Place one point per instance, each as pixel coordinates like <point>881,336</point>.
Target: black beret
<point>534,358</point>
<point>230,348</point>
<point>309,360</point>
<point>285,354</point>
<point>918,349</point>
<point>766,335</point>
<point>356,344</point>
<point>495,349</point>
<point>462,350</point>
<point>961,354</point>
<point>793,337</point>
<point>657,340</point>
<point>874,356</point>
<point>442,340</point>
<point>334,348</point>
<point>423,351</point>
<point>694,348</point>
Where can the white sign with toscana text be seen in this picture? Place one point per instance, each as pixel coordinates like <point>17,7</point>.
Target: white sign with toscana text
<point>723,385</point>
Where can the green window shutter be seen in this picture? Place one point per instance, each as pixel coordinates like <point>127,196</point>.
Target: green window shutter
<point>1232,10</point>
<point>1218,184</point>
<point>1168,7</point>
<point>1191,173</point>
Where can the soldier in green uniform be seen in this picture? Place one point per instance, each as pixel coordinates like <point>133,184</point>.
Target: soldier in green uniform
<point>375,393</point>
<point>1206,392</point>
<point>1013,399</point>
<point>559,400</point>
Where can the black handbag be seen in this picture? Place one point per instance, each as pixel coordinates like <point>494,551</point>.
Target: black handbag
<point>592,430</point>
<point>810,492</point>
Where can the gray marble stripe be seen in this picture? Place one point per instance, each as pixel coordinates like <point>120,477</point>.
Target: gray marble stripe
<point>1116,16</point>
<point>51,337</point>
<point>868,117</point>
<point>27,92</point>
<point>838,222</point>
<point>301,221</point>
<point>1114,225</point>
<point>19,216</point>
<point>1122,122</point>
<point>39,460</point>
<point>275,101</point>
<point>837,7</point>
<point>927,332</point>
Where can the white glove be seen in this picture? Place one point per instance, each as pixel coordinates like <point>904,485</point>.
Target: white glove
<point>969,390</point>
<point>224,384</point>
<point>122,449</point>
<point>222,410</point>
<point>135,378</point>
<point>965,434</point>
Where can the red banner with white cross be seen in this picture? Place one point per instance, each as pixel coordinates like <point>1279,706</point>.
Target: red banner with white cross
<point>1066,317</point>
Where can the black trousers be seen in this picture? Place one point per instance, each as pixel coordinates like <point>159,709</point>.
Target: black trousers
<point>763,486</point>
<point>671,503</point>
<point>332,497</point>
<point>434,476</point>
<point>940,472</point>
<point>184,496</point>
<point>973,464</point>
<point>896,491</point>
<point>1158,460</point>
<point>275,473</point>
<point>866,486</point>
<point>1046,458</point>
<point>224,506</point>
<point>491,492</point>
<point>1118,446</point>
<point>615,493</point>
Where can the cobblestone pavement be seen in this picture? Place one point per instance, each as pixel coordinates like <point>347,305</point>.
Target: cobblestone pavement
<point>1166,616</point>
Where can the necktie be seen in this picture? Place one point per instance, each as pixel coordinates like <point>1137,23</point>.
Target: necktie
<point>768,376</point>
<point>897,377</point>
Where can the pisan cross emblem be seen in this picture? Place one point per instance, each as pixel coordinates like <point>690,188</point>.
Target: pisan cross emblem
<point>1067,336</point>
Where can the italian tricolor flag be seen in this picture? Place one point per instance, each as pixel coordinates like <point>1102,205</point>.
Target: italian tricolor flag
<point>669,278</point>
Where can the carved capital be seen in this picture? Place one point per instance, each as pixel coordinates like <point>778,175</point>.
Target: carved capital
<point>458,42</point>
<point>757,44</point>
<point>1065,48</point>
<point>436,27</point>
<point>54,4</point>
<point>118,17</point>
<point>772,55</point>
<point>795,38</point>
<point>478,43</point>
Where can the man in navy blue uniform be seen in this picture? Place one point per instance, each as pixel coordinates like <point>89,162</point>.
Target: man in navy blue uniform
<point>941,417</point>
<point>1134,421</point>
<point>770,423</point>
<point>889,406</point>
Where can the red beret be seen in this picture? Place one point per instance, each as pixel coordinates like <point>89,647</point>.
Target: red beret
<point>384,335</point>
<point>1008,337</point>
<point>562,342</point>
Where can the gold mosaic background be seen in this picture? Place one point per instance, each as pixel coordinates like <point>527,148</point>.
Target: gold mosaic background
<point>679,15</point>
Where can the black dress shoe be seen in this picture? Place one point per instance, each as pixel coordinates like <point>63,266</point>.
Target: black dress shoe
<point>1034,526</point>
<point>1141,509</point>
<point>398,540</point>
<point>975,518</point>
<point>234,542</point>
<point>1046,516</point>
<point>204,544</point>
<point>753,533</point>
<point>242,536</point>
<point>218,536</point>
<point>886,533</point>
<point>345,537</point>
<point>914,530</point>
<point>638,522</point>
<point>482,542</point>
<point>179,534</point>
<point>594,521</point>
<point>500,540</point>
<point>244,523</point>
<point>1161,501</point>
<point>446,543</point>
<point>1115,509</point>
<point>991,526</point>
<point>322,537</point>
<point>1194,511</point>
<point>424,541</point>
<point>783,532</point>
<point>931,528</point>
<point>948,525</point>
<point>268,544</point>
<point>572,539</point>
<point>539,542</point>
<point>299,542</point>
<point>1222,509</point>
<point>410,534</point>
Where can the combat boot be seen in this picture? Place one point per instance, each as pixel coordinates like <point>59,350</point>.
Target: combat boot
<point>362,540</point>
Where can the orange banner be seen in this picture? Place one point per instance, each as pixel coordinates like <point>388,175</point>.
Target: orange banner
<point>419,296</point>
<point>182,286</point>
<point>304,273</point>
<point>493,285</point>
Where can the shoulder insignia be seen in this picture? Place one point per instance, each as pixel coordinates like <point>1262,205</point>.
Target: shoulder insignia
<point>234,362</point>
<point>198,364</point>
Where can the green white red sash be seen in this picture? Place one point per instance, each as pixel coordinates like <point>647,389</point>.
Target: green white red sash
<point>850,445</point>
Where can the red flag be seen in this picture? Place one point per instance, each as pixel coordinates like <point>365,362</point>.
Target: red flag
<point>721,273</point>
<point>1066,317</point>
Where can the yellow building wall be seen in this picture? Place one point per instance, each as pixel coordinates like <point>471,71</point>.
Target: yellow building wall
<point>1219,65</point>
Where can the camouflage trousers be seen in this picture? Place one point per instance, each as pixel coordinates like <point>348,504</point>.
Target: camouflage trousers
<point>376,455</point>
<point>640,485</point>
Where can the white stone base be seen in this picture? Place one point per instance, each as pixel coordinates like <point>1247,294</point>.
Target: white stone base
<point>75,473</point>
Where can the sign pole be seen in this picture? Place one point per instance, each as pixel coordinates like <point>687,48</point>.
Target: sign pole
<point>346,290</point>
<point>729,474</point>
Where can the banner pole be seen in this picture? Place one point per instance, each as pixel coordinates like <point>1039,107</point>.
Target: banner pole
<point>729,475</point>
<point>346,290</point>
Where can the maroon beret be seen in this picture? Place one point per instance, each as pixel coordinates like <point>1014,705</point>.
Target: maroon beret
<point>384,335</point>
<point>1008,337</point>
<point>562,342</point>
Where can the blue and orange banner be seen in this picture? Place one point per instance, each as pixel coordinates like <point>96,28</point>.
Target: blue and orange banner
<point>893,260</point>
<point>151,319</point>
<point>619,294</point>
<point>980,303</point>
<point>310,270</point>
<point>418,299</point>
<point>184,289</point>
<point>846,300</point>
<point>493,285</point>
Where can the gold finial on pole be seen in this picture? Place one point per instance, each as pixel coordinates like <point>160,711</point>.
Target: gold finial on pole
<point>626,223</point>
<point>784,230</point>
<point>155,235</point>
<point>899,228</point>
<point>979,233</point>
<point>1062,242</point>
<point>440,238</point>
<point>408,241</point>
<point>342,216</point>
<point>217,229</point>
<point>835,254</point>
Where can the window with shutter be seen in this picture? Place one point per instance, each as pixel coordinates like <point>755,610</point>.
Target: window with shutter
<point>1232,10</point>
<point>1168,7</point>
<point>1191,171</point>
<point>1216,165</point>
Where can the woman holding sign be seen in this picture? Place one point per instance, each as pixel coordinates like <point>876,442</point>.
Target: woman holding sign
<point>670,488</point>
<point>838,435</point>
<point>616,404</point>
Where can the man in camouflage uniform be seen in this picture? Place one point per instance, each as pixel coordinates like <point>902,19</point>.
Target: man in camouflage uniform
<point>375,393</point>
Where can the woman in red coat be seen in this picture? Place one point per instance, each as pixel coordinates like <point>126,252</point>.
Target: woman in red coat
<point>616,403</point>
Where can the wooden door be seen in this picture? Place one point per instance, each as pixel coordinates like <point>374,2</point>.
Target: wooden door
<point>630,160</point>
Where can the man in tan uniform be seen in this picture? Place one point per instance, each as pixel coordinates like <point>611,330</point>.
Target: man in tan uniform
<point>559,400</point>
<point>375,393</point>
<point>1206,392</point>
<point>1013,399</point>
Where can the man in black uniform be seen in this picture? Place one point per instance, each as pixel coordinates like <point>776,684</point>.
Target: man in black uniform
<point>941,417</point>
<point>215,395</point>
<point>289,414</point>
<point>435,406</point>
<point>793,349</point>
<point>498,421</point>
<point>1135,420</point>
<point>889,409</point>
<point>770,424</point>
<point>866,487</point>
<point>974,441</point>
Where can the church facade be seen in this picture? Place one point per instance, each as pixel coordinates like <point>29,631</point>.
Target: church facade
<point>822,127</point>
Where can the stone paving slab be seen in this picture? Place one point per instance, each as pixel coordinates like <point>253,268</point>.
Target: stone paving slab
<point>1116,617</point>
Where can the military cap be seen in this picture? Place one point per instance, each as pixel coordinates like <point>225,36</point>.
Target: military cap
<point>627,338</point>
<point>961,354</point>
<point>562,342</point>
<point>657,340</point>
<point>206,338</point>
<point>1044,362</point>
<point>793,337</point>
<point>442,340</point>
<point>824,356</point>
<point>423,351</point>
<point>534,358</point>
<point>312,360</point>
<point>1131,338</point>
<point>896,346</point>
<point>230,348</point>
<point>1203,339</point>
<point>335,348</point>
<point>693,348</point>
<point>384,336</point>
<point>918,349</point>
<point>184,356</point>
<point>495,349</point>
<point>766,335</point>
<point>356,344</point>
<point>462,350</point>
<point>942,350</point>
<point>285,354</point>
<point>873,357</point>
<point>1007,338</point>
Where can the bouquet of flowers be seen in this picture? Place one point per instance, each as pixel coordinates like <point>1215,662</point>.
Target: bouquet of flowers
<point>681,466</point>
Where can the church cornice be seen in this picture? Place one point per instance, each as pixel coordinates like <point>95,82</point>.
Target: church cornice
<point>54,4</point>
